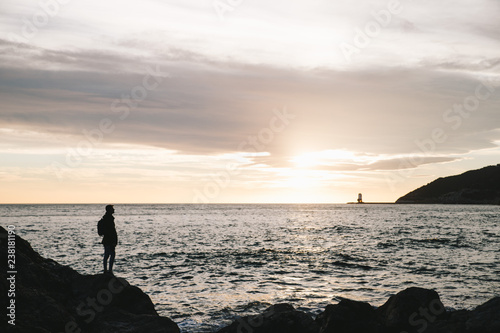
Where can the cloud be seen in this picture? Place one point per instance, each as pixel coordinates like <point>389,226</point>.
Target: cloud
<point>349,161</point>
<point>423,92</point>
<point>211,107</point>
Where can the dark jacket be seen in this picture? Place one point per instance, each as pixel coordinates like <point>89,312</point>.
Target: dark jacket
<point>109,231</point>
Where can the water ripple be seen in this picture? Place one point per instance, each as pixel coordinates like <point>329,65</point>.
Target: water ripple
<point>204,264</point>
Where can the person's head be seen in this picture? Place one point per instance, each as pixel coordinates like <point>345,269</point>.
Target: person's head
<point>110,209</point>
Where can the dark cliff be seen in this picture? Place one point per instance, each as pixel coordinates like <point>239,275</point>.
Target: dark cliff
<point>480,186</point>
<point>49,297</point>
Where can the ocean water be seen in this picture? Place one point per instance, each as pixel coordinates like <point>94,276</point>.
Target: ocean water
<point>202,265</point>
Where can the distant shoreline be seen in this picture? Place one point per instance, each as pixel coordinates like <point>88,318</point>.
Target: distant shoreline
<point>371,203</point>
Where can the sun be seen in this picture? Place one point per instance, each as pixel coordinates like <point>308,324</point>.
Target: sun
<point>313,170</point>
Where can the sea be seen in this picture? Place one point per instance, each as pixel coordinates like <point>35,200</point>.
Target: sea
<point>204,265</point>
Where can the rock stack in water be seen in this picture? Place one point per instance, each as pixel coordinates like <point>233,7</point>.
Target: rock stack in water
<point>50,297</point>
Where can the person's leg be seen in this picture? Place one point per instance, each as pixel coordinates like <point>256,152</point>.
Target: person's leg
<point>111,258</point>
<point>106,256</point>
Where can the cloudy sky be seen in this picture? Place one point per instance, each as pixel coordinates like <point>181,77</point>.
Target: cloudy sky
<point>244,101</point>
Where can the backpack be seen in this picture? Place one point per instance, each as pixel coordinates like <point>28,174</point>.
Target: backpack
<point>100,227</point>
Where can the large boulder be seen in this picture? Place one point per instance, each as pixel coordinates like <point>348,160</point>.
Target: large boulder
<point>454,322</point>
<point>279,318</point>
<point>485,318</point>
<point>411,310</point>
<point>50,297</point>
<point>348,317</point>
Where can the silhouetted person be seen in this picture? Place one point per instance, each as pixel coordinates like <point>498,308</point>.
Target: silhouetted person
<point>106,228</point>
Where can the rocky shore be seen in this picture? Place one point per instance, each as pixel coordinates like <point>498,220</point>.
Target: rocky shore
<point>50,297</point>
<point>414,310</point>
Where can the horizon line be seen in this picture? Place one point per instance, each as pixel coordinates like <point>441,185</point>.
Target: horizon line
<point>192,203</point>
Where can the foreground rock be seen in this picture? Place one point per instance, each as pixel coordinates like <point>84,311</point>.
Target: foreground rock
<point>50,297</point>
<point>348,316</point>
<point>279,318</point>
<point>410,309</point>
<point>414,310</point>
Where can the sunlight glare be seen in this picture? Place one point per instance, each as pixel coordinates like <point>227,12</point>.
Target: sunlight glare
<point>325,157</point>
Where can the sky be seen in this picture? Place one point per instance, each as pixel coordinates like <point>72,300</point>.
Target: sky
<point>238,101</point>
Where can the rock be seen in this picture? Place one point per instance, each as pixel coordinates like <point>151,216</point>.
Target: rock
<point>279,318</point>
<point>485,318</point>
<point>453,323</point>
<point>54,298</point>
<point>411,310</point>
<point>348,317</point>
